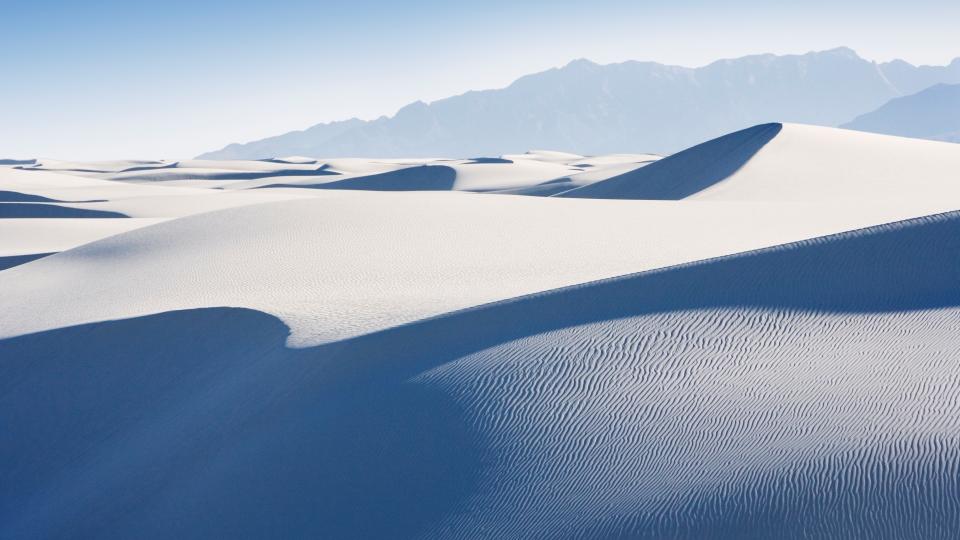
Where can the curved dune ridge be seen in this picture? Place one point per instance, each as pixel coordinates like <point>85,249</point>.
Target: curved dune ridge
<point>518,172</point>
<point>150,190</point>
<point>348,263</point>
<point>753,338</point>
<point>805,390</point>
<point>791,163</point>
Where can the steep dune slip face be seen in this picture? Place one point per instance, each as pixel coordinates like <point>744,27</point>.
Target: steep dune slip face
<point>794,163</point>
<point>801,391</point>
<point>686,173</point>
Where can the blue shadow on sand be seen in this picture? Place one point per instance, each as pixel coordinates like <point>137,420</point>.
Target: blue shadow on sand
<point>685,173</point>
<point>201,423</point>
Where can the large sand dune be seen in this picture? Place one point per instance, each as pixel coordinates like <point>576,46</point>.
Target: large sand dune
<point>770,353</point>
<point>792,163</point>
<point>684,402</point>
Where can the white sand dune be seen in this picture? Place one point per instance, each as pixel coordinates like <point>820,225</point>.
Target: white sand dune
<point>518,172</point>
<point>767,350</point>
<point>345,263</point>
<point>66,211</point>
<point>791,162</point>
<point>482,174</point>
<point>69,191</point>
<point>58,165</point>
<point>806,390</point>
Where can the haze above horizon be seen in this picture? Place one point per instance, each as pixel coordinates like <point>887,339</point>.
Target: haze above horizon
<point>107,79</point>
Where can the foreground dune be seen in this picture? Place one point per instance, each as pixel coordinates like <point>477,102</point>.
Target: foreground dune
<point>806,390</point>
<point>754,338</point>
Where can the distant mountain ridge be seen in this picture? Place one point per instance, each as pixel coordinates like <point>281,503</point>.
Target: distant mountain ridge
<point>632,106</point>
<point>933,113</point>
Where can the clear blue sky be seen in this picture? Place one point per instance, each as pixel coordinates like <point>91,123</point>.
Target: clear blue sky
<point>171,79</point>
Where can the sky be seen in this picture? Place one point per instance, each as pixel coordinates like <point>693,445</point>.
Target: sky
<point>172,79</point>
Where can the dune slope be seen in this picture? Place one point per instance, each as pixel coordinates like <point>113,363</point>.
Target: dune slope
<point>791,163</point>
<point>348,263</point>
<point>802,390</point>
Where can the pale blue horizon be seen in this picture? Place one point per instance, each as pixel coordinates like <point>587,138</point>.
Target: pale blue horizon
<point>99,80</point>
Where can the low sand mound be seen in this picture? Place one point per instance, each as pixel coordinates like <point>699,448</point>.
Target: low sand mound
<point>10,210</point>
<point>479,175</point>
<point>791,162</point>
<point>546,156</point>
<point>417,178</point>
<point>485,174</point>
<point>43,212</point>
<point>804,390</point>
<point>56,165</point>
<point>301,160</point>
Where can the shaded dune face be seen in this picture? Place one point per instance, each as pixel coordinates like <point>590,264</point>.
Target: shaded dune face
<point>202,424</point>
<point>17,197</point>
<point>166,174</point>
<point>685,173</point>
<point>10,261</point>
<point>807,390</point>
<point>11,210</point>
<point>419,178</point>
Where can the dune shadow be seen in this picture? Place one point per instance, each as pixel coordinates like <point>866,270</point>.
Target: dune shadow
<point>16,196</point>
<point>9,210</point>
<point>255,175</point>
<point>228,175</point>
<point>487,161</point>
<point>201,423</point>
<point>288,161</point>
<point>16,260</point>
<point>685,173</point>
<point>148,167</point>
<point>418,178</point>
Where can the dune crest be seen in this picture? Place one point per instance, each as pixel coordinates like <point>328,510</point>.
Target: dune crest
<point>793,163</point>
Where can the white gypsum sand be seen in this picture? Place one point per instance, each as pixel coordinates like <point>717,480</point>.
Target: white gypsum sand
<point>744,336</point>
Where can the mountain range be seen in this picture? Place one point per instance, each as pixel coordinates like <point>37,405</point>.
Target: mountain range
<point>933,113</point>
<point>631,106</point>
